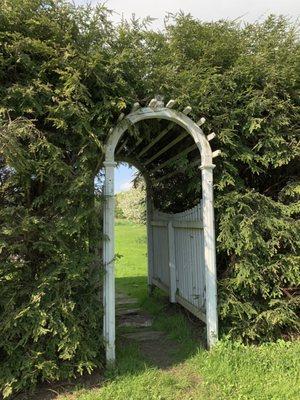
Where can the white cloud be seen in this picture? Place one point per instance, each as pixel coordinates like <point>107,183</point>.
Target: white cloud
<point>125,186</point>
<point>249,11</point>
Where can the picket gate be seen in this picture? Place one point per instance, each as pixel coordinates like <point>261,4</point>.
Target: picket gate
<point>176,264</point>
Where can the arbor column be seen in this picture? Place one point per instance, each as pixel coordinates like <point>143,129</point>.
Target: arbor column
<point>108,261</point>
<point>209,255</point>
<point>172,266</point>
<point>149,205</point>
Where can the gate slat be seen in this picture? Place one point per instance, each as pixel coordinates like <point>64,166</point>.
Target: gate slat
<point>178,257</point>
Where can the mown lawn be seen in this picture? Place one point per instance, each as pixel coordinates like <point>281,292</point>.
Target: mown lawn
<point>231,371</point>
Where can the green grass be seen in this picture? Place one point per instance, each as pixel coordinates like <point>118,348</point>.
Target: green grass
<point>231,371</point>
<point>131,263</point>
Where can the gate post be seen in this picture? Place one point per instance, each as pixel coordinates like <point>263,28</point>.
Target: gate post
<point>108,261</point>
<point>209,255</point>
<point>172,267</point>
<point>149,209</point>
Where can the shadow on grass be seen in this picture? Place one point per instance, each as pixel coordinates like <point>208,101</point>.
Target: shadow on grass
<point>183,336</point>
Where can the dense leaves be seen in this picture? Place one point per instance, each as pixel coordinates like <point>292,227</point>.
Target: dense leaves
<point>131,204</point>
<point>65,75</point>
<point>245,81</point>
<point>57,94</point>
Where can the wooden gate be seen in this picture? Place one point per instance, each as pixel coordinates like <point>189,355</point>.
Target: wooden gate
<point>176,257</point>
<point>178,245</point>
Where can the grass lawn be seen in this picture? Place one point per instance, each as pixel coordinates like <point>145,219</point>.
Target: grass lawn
<point>231,371</point>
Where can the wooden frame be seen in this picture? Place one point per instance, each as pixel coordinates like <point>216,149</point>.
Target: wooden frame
<point>202,143</point>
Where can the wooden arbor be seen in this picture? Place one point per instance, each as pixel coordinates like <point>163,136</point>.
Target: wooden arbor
<point>203,257</point>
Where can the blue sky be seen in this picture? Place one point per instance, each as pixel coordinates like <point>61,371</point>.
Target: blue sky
<point>206,10</point>
<point>123,177</point>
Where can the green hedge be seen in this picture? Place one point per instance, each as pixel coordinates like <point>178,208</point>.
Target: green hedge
<point>66,73</point>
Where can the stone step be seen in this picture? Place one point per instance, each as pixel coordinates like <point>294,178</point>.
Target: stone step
<point>121,296</point>
<point>125,301</point>
<point>135,324</point>
<point>144,336</point>
<point>127,311</point>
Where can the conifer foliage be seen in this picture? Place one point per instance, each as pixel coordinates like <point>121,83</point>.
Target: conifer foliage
<point>59,90</point>
<point>245,82</point>
<point>65,74</point>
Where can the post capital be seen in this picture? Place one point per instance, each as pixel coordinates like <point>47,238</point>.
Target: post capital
<point>207,167</point>
<point>109,163</point>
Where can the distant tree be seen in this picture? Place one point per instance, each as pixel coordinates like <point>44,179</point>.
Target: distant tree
<point>131,204</point>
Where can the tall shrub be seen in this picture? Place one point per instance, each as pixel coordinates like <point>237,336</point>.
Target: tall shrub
<point>60,88</point>
<point>245,81</point>
<point>65,74</point>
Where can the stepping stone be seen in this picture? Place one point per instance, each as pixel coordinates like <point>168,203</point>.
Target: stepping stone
<point>125,301</point>
<point>121,296</point>
<point>134,324</point>
<point>127,311</point>
<point>144,336</point>
<point>135,321</point>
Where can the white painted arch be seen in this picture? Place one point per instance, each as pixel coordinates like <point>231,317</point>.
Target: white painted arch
<point>160,113</point>
<point>109,215</point>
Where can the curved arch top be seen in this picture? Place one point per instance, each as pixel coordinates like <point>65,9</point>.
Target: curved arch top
<point>206,208</point>
<point>160,113</point>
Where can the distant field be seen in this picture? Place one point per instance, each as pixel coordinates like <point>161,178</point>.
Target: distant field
<point>131,266</point>
<point>231,371</point>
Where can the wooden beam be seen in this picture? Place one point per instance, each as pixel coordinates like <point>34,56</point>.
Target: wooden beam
<point>160,285</point>
<point>177,156</point>
<point>121,117</point>
<point>201,121</point>
<point>211,136</point>
<point>172,266</point>
<point>178,224</point>
<point>136,145</point>
<point>108,261</point>
<point>178,171</point>
<point>166,148</point>
<point>131,131</point>
<point>118,151</point>
<point>186,304</point>
<point>152,103</point>
<point>156,139</point>
<point>188,224</point>
<point>216,153</point>
<point>159,223</point>
<point>209,255</point>
<point>149,209</point>
<point>187,110</point>
<point>193,309</point>
<point>135,107</point>
<point>140,139</point>
<point>171,104</point>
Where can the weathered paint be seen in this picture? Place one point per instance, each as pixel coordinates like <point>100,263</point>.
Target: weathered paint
<point>108,261</point>
<point>210,255</point>
<point>185,256</point>
<point>193,247</point>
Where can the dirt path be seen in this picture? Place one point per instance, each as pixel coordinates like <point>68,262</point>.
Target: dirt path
<point>135,326</point>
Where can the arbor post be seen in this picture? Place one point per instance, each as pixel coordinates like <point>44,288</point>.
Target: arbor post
<point>108,261</point>
<point>156,110</point>
<point>209,255</point>
<point>149,239</point>
<point>172,267</point>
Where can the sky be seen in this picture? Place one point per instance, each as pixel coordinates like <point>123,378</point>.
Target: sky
<point>123,178</point>
<point>208,10</point>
